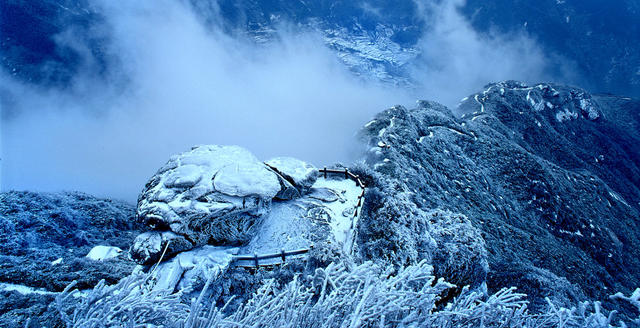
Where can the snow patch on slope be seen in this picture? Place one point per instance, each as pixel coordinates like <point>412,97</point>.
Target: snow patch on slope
<point>101,253</point>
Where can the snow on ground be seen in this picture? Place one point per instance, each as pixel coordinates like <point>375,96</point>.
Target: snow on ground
<point>100,253</point>
<point>342,220</point>
<point>24,290</point>
<point>290,224</point>
<point>285,227</point>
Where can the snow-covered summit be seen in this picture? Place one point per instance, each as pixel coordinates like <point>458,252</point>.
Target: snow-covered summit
<point>544,101</point>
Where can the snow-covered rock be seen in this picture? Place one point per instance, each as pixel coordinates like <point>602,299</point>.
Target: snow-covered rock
<point>148,247</point>
<point>300,174</point>
<point>246,179</point>
<point>214,195</point>
<point>181,272</point>
<point>209,194</point>
<point>100,253</point>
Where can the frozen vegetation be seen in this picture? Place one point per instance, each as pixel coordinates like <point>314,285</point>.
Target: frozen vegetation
<point>340,295</point>
<point>510,195</point>
<point>44,240</point>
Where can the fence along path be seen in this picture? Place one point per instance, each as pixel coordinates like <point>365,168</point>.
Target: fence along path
<point>253,260</point>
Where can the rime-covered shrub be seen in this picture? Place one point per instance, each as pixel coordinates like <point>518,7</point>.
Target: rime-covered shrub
<point>391,228</point>
<point>394,229</point>
<point>460,256</point>
<point>340,295</point>
<point>132,302</point>
<point>323,253</point>
<point>537,283</point>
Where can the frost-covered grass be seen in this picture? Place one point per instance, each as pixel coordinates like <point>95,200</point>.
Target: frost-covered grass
<point>340,295</point>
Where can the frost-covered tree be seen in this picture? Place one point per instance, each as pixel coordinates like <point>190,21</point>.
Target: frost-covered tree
<point>340,295</point>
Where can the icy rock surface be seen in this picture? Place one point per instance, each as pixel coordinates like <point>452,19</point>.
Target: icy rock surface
<point>149,246</point>
<point>213,195</point>
<point>246,179</point>
<point>300,174</point>
<point>187,268</point>
<point>208,195</point>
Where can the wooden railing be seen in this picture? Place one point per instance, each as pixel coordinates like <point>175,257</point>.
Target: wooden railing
<point>253,261</point>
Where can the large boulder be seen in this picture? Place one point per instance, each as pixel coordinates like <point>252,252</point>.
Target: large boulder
<point>207,195</point>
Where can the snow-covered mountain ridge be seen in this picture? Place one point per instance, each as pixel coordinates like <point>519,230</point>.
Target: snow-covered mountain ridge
<point>560,190</point>
<point>533,186</point>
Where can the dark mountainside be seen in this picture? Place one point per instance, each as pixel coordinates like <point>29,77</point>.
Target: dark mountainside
<point>36,229</point>
<point>376,39</point>
<point>547,173</point>
<point>601,39</point>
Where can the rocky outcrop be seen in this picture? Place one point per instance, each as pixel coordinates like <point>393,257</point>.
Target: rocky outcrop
<point>207,195</point>
<point>99,253</point>
<point>301,174</point>
<point>148,247</point>
<point>213,195</point>
<point>188,268</point>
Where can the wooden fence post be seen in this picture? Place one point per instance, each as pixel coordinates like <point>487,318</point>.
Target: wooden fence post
<point>283,255</point>
<point>255,258</point>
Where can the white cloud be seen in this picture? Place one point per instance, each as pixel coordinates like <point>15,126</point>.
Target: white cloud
<point>457,60</point>
<point>177,83</point>
<point>185,84</point>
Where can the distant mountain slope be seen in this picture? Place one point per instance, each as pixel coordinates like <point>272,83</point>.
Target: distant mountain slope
<point>601,38</point>
<point>547,173</point>
<point>375,39</point>
<point>31,47</point>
